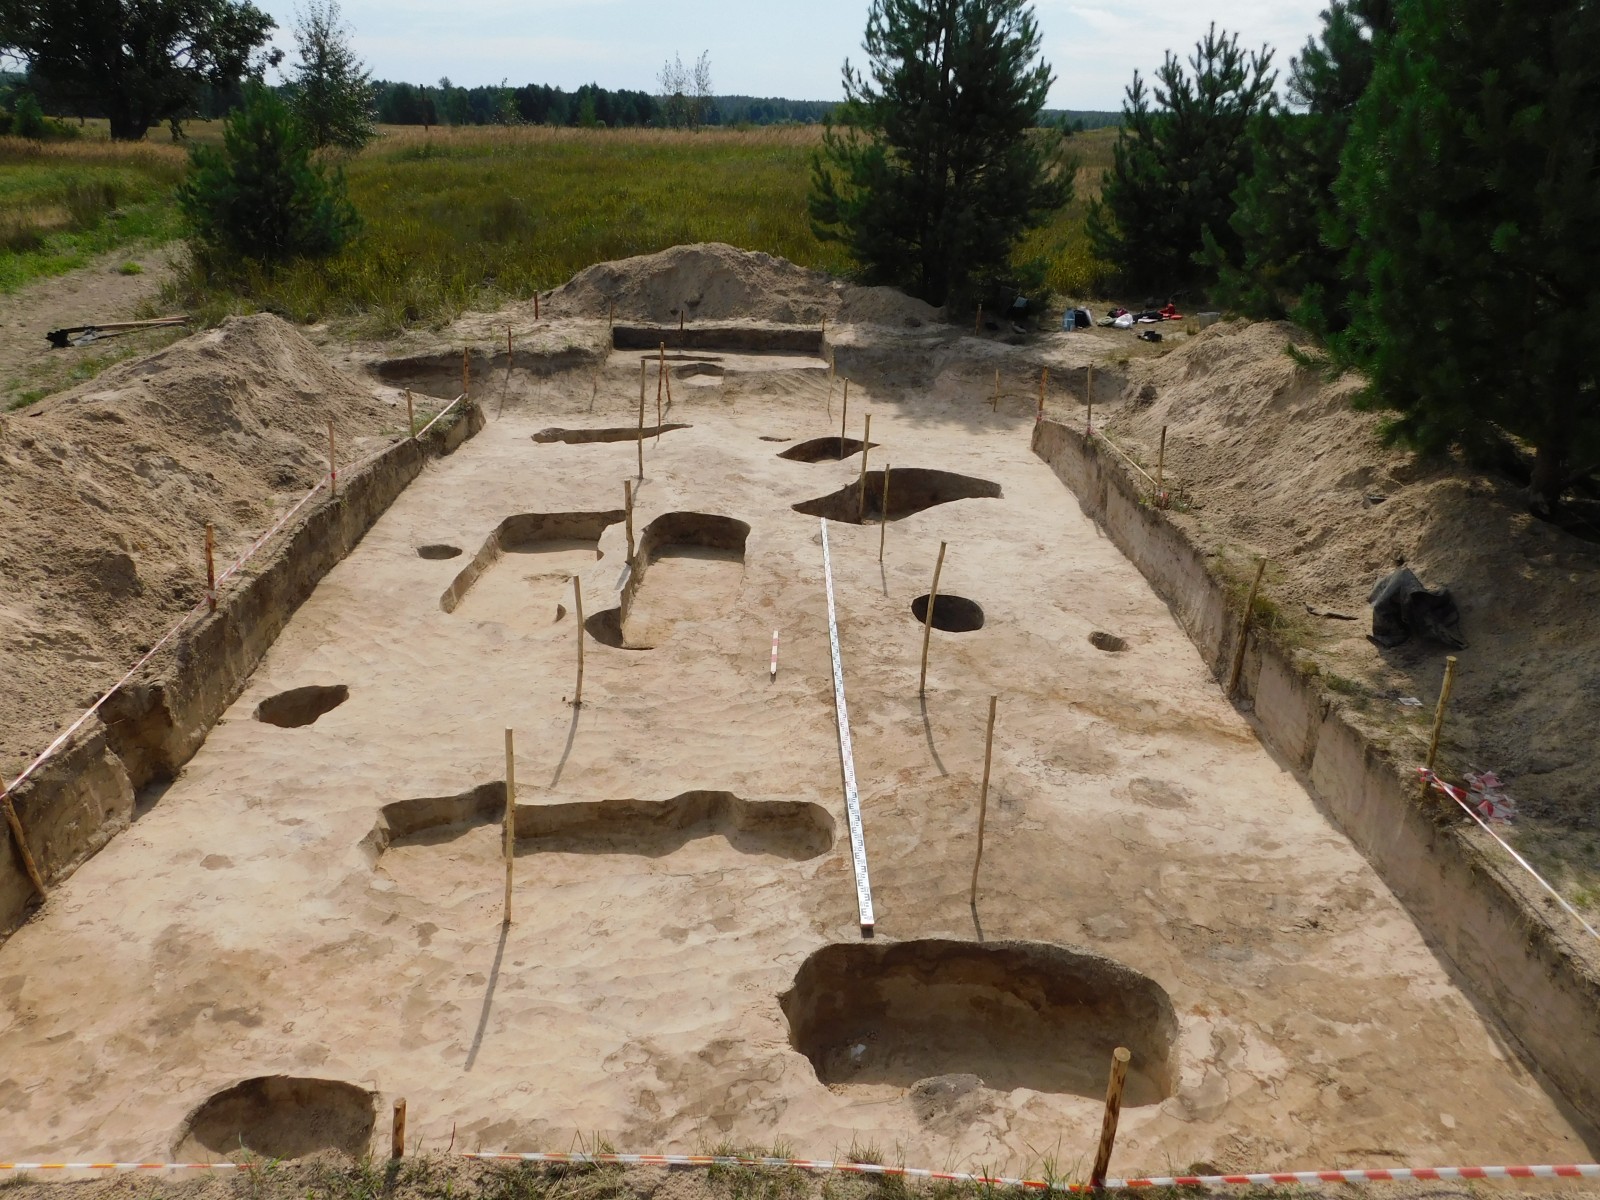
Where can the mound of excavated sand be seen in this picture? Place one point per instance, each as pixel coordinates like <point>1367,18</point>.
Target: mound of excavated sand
<point>107,490</point>
<point>1276,462</point>
<point>712,281</point>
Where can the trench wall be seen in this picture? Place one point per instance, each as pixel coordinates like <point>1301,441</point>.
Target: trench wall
<point>1528,972</point>
<point>145,731</point>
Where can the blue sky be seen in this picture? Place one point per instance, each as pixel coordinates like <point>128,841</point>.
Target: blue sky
<point>791,48</point>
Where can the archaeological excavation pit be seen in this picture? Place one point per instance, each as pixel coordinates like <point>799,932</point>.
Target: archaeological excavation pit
<point>825,449</point>
<point>1015,1014</point>
<point>1109,642</point>
<point>302,705</point>
<point>951,613</point>
<point>782,829</point>
<point>436,551</point>
<point>689,566</point>
<point>911,490</point>
<point>279,1117</point>
<point>522,574</point>
<point>616,433</point>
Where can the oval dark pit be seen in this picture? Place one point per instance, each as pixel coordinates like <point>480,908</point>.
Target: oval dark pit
<point>302,705</point>
<point>1109,642</point>
<point>953,614</point>
<point>437,550</point>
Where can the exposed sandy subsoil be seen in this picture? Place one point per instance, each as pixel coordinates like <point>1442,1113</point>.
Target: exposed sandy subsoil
<point>252,924</point>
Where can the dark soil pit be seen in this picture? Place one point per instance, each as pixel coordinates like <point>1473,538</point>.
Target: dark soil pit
<point>790,829</point>
<point>953,614</point>
<point>301,706</point>
<point>824,449</point>
<point>562,544</point>
<point>1109,642</point>
<point>620,433</point>
<point>605,627</point>
<point>689,566</point>
<point>438,550</point>
<point>279,1117</point>
<point>1015,1014</point>
<point>911,490</point>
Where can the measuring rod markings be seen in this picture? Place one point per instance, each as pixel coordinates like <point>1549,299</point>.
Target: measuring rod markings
<point>852,797</point>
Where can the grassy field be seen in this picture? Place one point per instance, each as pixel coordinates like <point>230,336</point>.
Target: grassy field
<point>464,217</point>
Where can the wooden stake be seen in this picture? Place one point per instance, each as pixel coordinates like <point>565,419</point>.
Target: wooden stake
<point>536,306</point>
<point>1044,382</point>
<point>1161,459</point>
<point>397,1138</point>
<point>927,623</point>
<point>577,602</point>
<point>20,838</point>
<point>983,800</point>
<point>1108,1126</point>
<point>844,417</point>
<point>511,818</point>
<point>333,464</point>
<point>641,420</point>
<point>996,405</point>
<point>830,388</point>
<point>627,501</point>
<point>411,415</point>
<point>977,321</point>
<point>211,569</point>
<point>1244,627</point>
<point>883,522</point>
<point>661,378</point>
<point>866,444</point>
<point>1088,395</point>
<point>508,347</point>
<point>1438,712</point>
<point>466,372</point>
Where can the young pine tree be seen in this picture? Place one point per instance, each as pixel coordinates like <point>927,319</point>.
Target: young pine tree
<point>938,168</point>
<point>331,92</point>
<point>261,197</point>
<point>1291,237</point>
<point>1469,188</point>
<point>1178,160</point>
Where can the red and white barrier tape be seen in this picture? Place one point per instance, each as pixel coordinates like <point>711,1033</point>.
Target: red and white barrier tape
<point>1254,1178</point>
<point>61,738</point>
<point>1460,798</point>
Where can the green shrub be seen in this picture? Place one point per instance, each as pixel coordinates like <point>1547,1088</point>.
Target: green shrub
<point>262,197</point>
<point>27,119</point>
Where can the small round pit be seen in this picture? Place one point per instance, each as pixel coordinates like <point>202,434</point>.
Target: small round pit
<point>302,705</point>
<point>1109,642</point>
<point>279,1117</point>
<point>438,550</point>
<point>953,614</point>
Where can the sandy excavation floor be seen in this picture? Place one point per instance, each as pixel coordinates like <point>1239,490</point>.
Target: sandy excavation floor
<point>252,923</point>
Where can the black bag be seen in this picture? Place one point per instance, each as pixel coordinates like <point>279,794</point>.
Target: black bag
<point>1401,606</point>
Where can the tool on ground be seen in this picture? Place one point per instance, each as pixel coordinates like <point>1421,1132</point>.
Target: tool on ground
<point>83,335</point>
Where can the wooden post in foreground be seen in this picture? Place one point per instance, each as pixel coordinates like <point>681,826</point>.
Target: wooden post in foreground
<point>466,372</point>
<point>511,818</point>
<point>397,1137</point>
<point>20,837</point>
<point>844,418</point>
<point>661,380</point>
<point>211,568</point>
<point>1044,382</point>
<point>883,521</point>
<point>411,415</point>
<point>577,603</point>
<point>1108,1126</point>
<point>1161,460</point>
<point>983,800</point>
<point>627,510</point>
<point>866,444</point>
<point>995,406</point>
<point>1244,627</point>
<point>536,306</point>
<point>927,623</point>
<point>1438,713</point>
<point>641,420</point>
<point>977,321</point>
<point>333,464</point>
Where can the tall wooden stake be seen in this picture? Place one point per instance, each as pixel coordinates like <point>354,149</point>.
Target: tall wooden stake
<point>1438,712</point>
<point>1161,459</point>
<point>333,464</point>
<point>977,321</point>
<point>995,406</point>
<point>866,444</point>
<point>883,521</point>
<point>577,602</point>
<point>211,568</point>
<point>20,838</point>
<point>411,415</point>
<point>1044,382</point>
<point>983,800</point>
<point>844,418</point>
<point>627,509</point>
<point>641,420</point>
<point>1108,1126</point>
<point>661,379</point>
<point>1244,627</point>
<point>511,817</point>
<point>927,623</point>
<point>536,306</point>
<point>397,1136</point>
<point>466,372</point>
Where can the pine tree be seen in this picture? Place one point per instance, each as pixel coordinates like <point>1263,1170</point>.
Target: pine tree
<point>331,92</point>
<point>1291,238</point>
<point>1469,185</point>
<point>937,167</point>
<point>1178,160</point>
<point>261,197</point>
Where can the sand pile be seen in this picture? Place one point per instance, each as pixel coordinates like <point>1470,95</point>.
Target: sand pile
<point>712,281</point>
<point>107,489</point>
<point>1276,462</point>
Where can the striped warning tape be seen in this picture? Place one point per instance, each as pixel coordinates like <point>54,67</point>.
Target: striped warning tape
<point>204,603</point>
<point>1253,1178</point>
